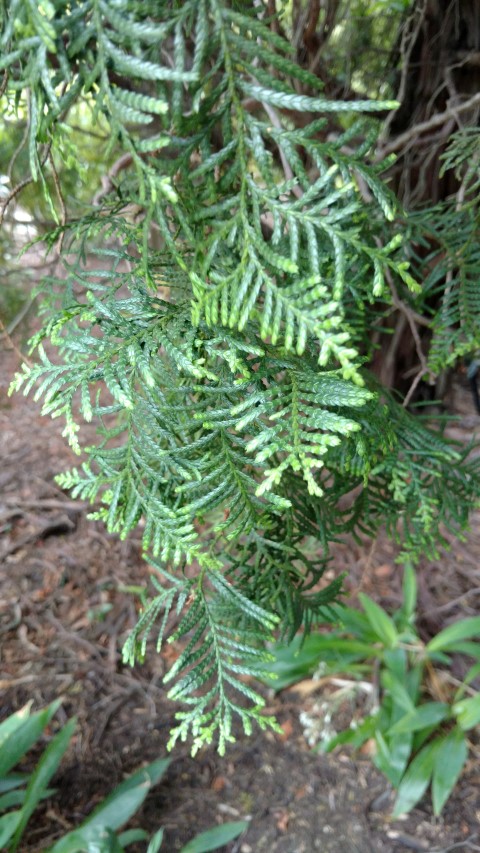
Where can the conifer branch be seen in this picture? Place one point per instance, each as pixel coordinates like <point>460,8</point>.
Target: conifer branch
<point>225,369</point>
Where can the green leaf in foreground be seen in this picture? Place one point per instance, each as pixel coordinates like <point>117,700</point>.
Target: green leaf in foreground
<point>392,757</point>
<point>118,808</point>
<point>461,630</point>
<point>416,780</point>
<point>19,741</point>
<point>12,781</point>
<point>467,712</point>
<point>42,775</point>
<point>217,837</point>
<point>130,836</point>
<point>450,758</point>
<point>155,842</point>
<point>421,718</point>
<point>380,621</point>
<point>410,590</point>
<point>13,722</point>
<point>8,826</point>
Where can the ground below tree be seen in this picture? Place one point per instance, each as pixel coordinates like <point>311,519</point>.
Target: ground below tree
<point>64,614</point>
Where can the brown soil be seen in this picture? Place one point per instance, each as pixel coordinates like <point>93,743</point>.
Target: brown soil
<point>64,615</point>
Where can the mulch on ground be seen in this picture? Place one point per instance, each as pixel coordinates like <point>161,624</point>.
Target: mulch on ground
<point>65,611</point>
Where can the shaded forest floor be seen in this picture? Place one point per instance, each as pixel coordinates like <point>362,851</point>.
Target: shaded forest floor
<point>65,612</point>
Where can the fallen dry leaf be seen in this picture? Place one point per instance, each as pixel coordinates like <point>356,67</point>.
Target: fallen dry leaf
<point>383,571</point>
<point>282,820</point>
<point>302,792</point>
<point>369,748</point>
<point>287,729</point>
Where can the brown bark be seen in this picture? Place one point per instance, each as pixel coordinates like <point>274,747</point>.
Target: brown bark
<point>439,56</point>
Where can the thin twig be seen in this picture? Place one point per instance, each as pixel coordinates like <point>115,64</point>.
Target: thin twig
<point>15,154</point>
<point>435,121</point>
<point>9,198</point>
<point>413,319</point>
<point>75,638</point>
<point>31,267</point>
<point>413,386</point>
<point>63,220</point>
<point>6,683</point>
<point>48,503</point>
<point>5,334</point>
<point>405,52</point>
<point>3,87</point>
<point>467,843</point>
<point>287,169</point>
<point>123,162</point>
<point>115,706</point>
<point>19,317</point>
<point>450,604</point>
<point>4,203</point>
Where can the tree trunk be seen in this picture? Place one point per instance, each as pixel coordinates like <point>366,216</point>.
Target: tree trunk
<point>439,57</point>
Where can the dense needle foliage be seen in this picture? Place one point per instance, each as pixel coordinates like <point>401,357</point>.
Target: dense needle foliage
<point>212,316</point>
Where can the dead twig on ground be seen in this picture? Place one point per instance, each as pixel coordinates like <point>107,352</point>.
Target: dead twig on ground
<point>6,683</point>
<point>46,503</point>
<point>54,526</point>
<point>444,608</point>
<point>468,844</point>
<point>75,638</point>
<point>115,705</point>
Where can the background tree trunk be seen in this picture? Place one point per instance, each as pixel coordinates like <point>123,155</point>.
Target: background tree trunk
<point>438,54</point>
